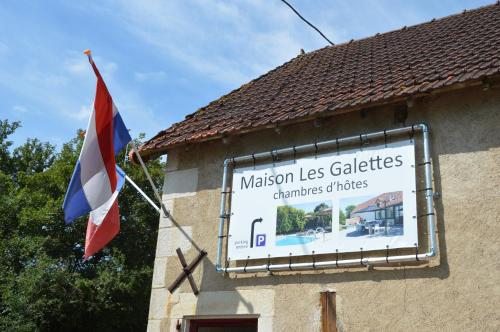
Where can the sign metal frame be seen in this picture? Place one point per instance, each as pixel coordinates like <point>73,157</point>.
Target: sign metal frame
<point>363,139</point>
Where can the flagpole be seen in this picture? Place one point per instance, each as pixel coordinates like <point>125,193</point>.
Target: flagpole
<point>158,197</point>
<point>146,197</point>
<point>157,194</point>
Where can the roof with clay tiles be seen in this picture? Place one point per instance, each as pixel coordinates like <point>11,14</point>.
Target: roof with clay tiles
<point>446,52</point>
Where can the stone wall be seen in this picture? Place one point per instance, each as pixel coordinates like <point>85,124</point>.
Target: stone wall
<point>458,291</point>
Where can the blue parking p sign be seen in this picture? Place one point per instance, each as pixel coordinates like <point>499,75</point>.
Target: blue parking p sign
<point>260,240</point>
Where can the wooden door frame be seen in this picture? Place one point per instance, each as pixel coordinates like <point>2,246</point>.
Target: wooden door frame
<point>195,323</point>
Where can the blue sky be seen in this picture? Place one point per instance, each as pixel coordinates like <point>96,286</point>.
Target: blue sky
<point>345,202</point>
<point>309,207</point>
<point>165,59</point>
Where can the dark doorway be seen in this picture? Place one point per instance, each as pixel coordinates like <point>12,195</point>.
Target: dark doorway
<point>223,325</point>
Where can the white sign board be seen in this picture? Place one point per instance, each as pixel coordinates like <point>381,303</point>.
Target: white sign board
<point>321,204</point>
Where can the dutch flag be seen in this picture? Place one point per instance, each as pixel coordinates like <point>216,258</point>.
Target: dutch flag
<point>96,179</point>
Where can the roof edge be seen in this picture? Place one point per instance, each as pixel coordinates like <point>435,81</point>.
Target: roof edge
<point>153,153</point>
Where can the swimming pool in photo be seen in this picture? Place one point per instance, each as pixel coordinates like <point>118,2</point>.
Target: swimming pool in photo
<point>291,240</point>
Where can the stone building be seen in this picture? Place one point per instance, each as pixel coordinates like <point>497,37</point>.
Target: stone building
<point>444,73</point>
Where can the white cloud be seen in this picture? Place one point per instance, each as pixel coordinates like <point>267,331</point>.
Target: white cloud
<point>49,88</point>
<point>82,114</point>
<point>19,109</point>
<point>106,68</point>
<point>198,43</point>
<point>3,48</point>
<point>229,42</point>
<point>58,89</point>
<point>77,64</point>
<point>150,76</point>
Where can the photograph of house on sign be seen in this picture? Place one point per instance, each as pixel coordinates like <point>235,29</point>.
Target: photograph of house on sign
<point>368,216</point>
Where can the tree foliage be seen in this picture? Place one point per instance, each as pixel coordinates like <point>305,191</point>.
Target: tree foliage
<point>290,220</point>
<point>293,220</point>
<point>345,214</point>
<point>342,217</point>
<point>44,283</point>
<point>348,210</point>
<point>320,207</point>
<point>6,129</point>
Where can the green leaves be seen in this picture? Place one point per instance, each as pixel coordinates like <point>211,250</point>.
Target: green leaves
<point>6,129</point>
<point>44,283</point>
<point>290,220</point>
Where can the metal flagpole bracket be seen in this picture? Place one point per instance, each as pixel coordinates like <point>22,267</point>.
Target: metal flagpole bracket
<point>187,270</point>
<point>158,197</point>
<point>157,194</point>
<point>146,197</point>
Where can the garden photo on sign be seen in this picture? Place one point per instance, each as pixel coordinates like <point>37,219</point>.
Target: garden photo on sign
<point>372,216</point>
<point>303,223</point>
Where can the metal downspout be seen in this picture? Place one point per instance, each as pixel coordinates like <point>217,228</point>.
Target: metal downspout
<point>429,194</point>
<point>223,216</point>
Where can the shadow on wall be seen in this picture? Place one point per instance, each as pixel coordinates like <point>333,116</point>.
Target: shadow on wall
<point>440,217</point>
<point>448,121</point>
<point>207,304</point>
<point>213,281</point>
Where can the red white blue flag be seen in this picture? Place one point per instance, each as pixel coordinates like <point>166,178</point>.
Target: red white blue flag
<point>104,222</point>
<point>94,185</point>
